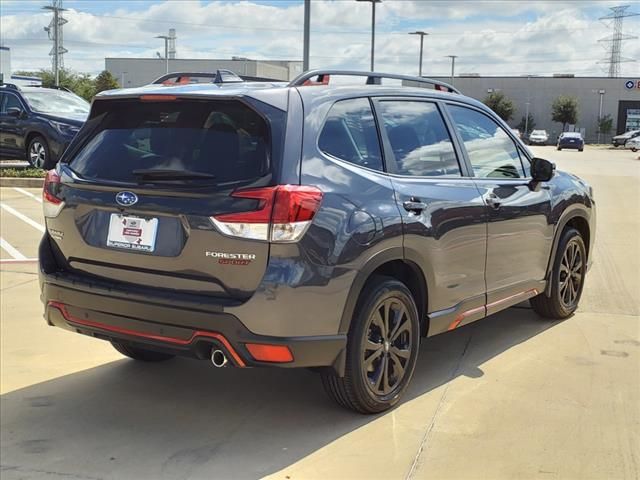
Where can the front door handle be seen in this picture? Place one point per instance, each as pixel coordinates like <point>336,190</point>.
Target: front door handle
<point>493,201</point>
<point>414,205</point>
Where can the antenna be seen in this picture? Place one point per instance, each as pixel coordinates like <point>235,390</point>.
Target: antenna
<point>54,30</point>
<point>618,14</point>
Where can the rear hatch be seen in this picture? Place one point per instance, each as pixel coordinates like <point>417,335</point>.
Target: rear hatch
<point>141,186</point>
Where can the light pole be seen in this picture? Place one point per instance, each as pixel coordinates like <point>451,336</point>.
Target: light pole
<point>305,44</point>
<point>453,66</point>
<point>166,51</point>
<point>373,28</point>
<point>422,35</point>
<point>526,115</point>
<point>601,92</point>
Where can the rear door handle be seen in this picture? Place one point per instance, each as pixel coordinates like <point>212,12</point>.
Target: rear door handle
<point>414,205</point>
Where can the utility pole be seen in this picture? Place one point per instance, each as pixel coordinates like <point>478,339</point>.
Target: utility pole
<point>615,50</point>
<point>54,30</point>
<point>307,35</point>
<point>373,29</point>
<point>453,66</point>
<point>166,51</point>
<point>422,35</point>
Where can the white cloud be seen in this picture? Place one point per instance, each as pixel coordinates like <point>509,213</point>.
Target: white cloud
<point>490,37</point>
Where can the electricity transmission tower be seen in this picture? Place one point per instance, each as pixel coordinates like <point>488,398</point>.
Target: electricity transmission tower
<point>55,35</point>
<point>618,14</point>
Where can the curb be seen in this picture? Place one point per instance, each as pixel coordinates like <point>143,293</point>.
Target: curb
<point>21,182</point>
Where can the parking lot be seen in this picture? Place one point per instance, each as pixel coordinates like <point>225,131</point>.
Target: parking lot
<point>512,396</point>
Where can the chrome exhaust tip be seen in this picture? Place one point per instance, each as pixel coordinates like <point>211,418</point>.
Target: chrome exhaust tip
<point>219,359</point>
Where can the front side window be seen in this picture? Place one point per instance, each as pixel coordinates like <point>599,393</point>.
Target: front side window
<point>491,151</point>
<point>419,139</point>
<point>350,134</point>
<point>12,102</point>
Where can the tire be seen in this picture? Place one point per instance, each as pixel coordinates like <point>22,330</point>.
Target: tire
<point>581,149</point>
<point>38,153</point>
<point>615,145</point>
<point>634,150</point>
<point>566,289</point>
<point>358,390</point>
<point>141,354</point>
<point>559,149</point>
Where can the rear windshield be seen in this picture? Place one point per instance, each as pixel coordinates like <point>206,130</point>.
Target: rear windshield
<point>224,139</point>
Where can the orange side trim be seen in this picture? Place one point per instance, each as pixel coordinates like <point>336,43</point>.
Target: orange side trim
<point>468,313</point>
<point>160,338</point>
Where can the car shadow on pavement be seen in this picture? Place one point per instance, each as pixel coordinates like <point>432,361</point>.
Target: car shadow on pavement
<point>185,419</point>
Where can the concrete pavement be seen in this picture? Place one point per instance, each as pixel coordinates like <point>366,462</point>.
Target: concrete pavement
<point>511,396</point>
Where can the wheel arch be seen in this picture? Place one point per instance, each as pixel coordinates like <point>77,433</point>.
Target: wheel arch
<point>578,218</point>
<point>391,263</point>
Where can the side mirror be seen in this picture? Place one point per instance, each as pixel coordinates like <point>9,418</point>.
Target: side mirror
<point>542,170</point>
<point>14,112</point>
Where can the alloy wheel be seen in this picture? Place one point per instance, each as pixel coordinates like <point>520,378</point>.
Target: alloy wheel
<point>387,347</point>
<point>570,277</point>
<point>37,155</point>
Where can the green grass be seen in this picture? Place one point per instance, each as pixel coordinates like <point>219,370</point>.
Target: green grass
<point>22,172</point>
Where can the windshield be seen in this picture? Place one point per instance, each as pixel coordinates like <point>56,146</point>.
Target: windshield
<point>572,134</point>
<point>56,101</point>
<point>538,132</point>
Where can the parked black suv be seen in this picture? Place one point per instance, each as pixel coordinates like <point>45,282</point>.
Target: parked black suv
<point>37,124</point>
<point>305,225</point>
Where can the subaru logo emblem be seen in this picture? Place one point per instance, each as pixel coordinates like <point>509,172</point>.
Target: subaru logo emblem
<point>126,199</point>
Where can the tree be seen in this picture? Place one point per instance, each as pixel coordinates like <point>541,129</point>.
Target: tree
<point>605,124</point>
<point>79,83</point>
<point>564,110</point>
<point>501,104</point>
<point>530,125</point>
<point>105,81</point>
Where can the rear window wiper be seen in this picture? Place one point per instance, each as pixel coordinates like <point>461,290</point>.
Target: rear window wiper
<point>164,174</point>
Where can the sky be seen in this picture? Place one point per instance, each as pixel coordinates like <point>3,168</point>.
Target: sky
<point>489,37</point>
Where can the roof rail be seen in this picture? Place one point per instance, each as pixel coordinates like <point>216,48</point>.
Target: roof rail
<point>373,78</point>
<point>183,78</point>
<point>10,86</point>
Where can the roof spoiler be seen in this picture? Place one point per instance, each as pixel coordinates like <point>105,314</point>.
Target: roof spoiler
<point>373,78</point>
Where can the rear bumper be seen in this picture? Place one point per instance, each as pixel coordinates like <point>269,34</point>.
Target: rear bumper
<point>171,326</point>
<point>575,146</point>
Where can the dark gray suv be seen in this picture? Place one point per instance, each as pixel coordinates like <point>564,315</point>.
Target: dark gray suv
<point>304,225</point>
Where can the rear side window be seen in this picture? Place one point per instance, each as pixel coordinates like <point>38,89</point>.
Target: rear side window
<point>419,139</point>
<point>224,139</point>
<point>350,134</point>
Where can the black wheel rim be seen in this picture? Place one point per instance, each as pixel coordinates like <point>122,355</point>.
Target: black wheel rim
<point>387,347</point>
<point>570,277</point>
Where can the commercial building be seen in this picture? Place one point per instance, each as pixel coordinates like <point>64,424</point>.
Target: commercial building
<point>5,71</point>
<point>134,72</point>
<point>597,96</point>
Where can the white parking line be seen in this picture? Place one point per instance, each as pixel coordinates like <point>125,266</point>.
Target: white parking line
<point>28,194</point>
<point>11,250</point>
<point>22,217</point>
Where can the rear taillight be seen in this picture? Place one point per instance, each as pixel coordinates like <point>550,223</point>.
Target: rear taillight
<point>283,215</point>
<point>52,204</point>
